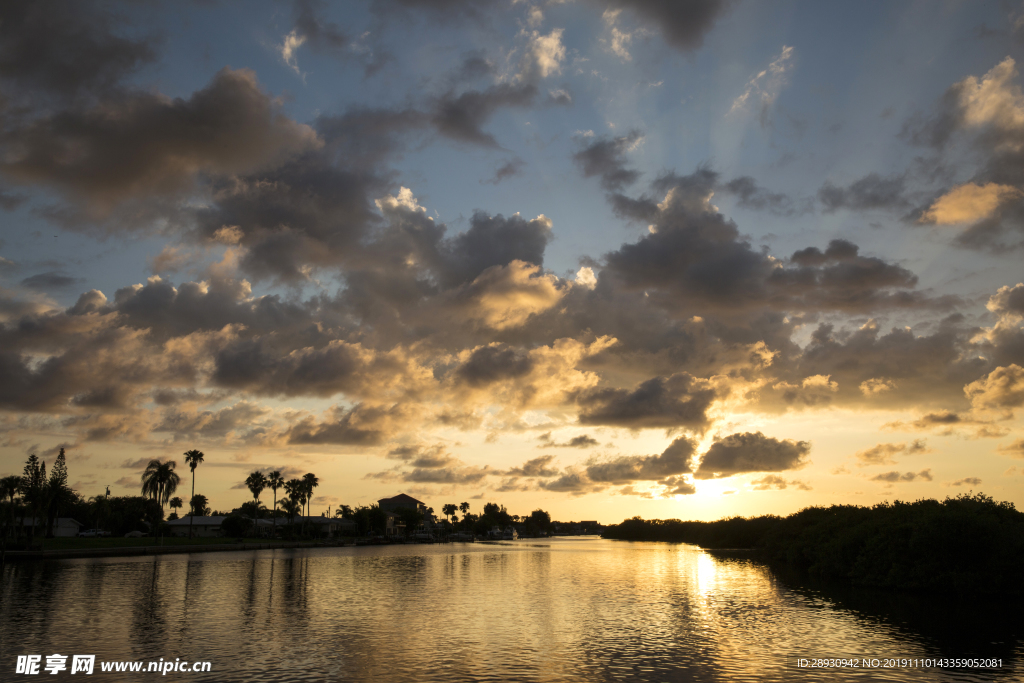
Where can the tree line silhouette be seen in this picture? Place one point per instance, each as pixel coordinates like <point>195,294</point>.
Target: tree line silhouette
<point>964,545</point>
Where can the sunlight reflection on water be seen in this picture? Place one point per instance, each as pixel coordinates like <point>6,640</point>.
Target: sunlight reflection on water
<point>559,610</point>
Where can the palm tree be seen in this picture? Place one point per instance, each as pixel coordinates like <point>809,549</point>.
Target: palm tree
<point>296,490</point>
<point>176,504</point>
<point>275,481</point>
<point>192,459</point>
<point>9,488</point>
<point>160,481</point>
<point>256,482</point>
<point>310,482</point>
<point>448,509</point>
<point>464,507</point>
<point>199,506</point>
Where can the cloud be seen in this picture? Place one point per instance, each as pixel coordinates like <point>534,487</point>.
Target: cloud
<point>581,441</point>
<point>574,482</point>
<point>1014,450</point>
<point>883,453</point>
<point>543,56</point>
<point>683,25</point>
<point>51,280</point>
<point>629,468</point>
<point>535,467</point>
<point>871,192</point>
<point>509,169</point>
<point>67,48</point>
<point>967,481</point>
<point>676,401</point>
<point>1008,300</point>
<point>137,144</point>
<point>462,116</point>
<point>489,364</point>
<point>606,157</point>
<point>751,452</point>
<point>361,425</point>
<point>968,203</point>
<point>773,481</point>
<point>1001,388</point>
<point>764,88</point>
<point>894,477</point>
<point>755,198</point>
<point>877,385</point>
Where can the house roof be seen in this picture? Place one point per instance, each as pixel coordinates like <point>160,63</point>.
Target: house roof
<point>39,522</point>
<point>401,499</point>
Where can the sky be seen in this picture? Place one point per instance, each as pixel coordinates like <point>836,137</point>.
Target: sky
<point>604,258</point>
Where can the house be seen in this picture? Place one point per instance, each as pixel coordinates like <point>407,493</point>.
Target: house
<point>346,527</point>
<point>402,501</point>
<point>62,526</point>
<point>392,505</point>
<point>202,527</point>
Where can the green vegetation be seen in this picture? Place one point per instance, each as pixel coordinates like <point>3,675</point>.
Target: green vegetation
<point>964,545</point>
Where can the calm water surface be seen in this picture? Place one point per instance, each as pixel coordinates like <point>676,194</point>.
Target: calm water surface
<point>559,610</point>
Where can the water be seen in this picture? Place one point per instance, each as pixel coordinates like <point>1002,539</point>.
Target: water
<point>553,611</point>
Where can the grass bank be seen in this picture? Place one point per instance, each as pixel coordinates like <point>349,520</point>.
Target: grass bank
<point>964,545</point>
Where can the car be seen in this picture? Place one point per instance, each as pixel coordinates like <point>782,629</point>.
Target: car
<point>93,533</point>
<point>134,534</point>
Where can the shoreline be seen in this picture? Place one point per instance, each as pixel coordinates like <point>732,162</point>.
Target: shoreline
<point>81,553</point>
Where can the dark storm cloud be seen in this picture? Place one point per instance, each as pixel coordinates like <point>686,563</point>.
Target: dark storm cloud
<point>629,468</point>
<point>870,192</point>
<point>606,157</point>
<point>494,363</point>
<point>462,116</point>
<point>136,143</point>
<point>683,23</point>
<point>678,401</point>
<point>751,452</point>
<point>66,48</point>
<point>47,281</point>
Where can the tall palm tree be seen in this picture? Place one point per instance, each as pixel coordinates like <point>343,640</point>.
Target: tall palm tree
<point>176,504</point>
<point>160,481</point>
<point>256,481</point>
<point>192,459</point>
<point>296,497</point>
<point>464,508</point>
<point>448,509</point>
<point>310,482</point>
<point>9,488</point>
<point>275,481</point>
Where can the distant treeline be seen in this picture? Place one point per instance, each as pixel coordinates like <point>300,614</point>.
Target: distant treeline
<point>963,545</point>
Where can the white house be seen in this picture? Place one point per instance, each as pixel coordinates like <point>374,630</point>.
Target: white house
<point>62,526</point>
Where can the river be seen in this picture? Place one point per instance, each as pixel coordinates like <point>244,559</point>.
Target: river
<point>568,609</point>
